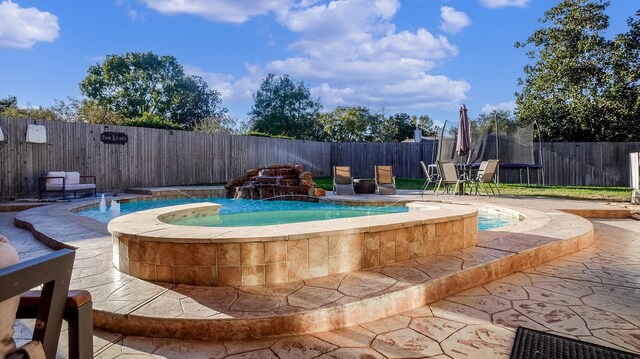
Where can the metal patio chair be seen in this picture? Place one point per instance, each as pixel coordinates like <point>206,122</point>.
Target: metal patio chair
<point>449,177</point>
<point>48,306</point>
<point>486,175</point>
<point>385,180</point>
<point>342,181</point>
<point>431,174</point>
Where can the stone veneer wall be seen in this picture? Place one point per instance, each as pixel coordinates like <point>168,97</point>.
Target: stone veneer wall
<point>281,261</point>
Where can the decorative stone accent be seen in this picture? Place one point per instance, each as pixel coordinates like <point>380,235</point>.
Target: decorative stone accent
<point>289,182</point>
<point>317,192</point>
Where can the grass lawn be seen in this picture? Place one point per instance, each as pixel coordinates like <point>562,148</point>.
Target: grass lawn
<point>614,194</point>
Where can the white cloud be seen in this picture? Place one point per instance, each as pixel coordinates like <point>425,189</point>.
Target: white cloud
<point>354,17</point>
<point>428,92</point>
<point>508,106</point>
<point>21,28</point>
<point>352,48</point>
<point>453,21</point>
<point>349,52</point>
<point>129,9</point>
<point>230,89</point>
<point>493,4</point>
<point>232,11</point>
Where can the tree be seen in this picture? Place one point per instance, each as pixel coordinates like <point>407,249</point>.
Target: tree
<point>425,123</point>
<point>578,87</point>
<point>282,107</point>
<point>89,111</point>
<point>623,94</point>
<point>486,122</point>
<point>9,102</point>
<point>351,124</point>
<point>138,83</point>
<point>215,125</point>
<point>399,127</point>
<point>67,110</point>
<point>396,128</point>
<point>195,102</point>
<point>359,124</point>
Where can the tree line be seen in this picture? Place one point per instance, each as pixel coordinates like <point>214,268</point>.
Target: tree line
<point>579,86</point>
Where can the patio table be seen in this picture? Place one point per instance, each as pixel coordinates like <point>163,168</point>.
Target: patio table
<point>364,185</point>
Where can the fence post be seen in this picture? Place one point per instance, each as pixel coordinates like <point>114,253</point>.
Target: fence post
<point>634,172</point>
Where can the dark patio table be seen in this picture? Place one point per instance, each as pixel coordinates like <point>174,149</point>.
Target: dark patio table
<point>364,185</point>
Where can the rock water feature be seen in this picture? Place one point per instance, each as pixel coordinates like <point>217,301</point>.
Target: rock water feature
<point>289,182</point>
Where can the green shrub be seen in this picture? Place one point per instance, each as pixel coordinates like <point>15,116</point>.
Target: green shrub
<point>30,113</point>
<point>262,134</point>
<point>151,121</point>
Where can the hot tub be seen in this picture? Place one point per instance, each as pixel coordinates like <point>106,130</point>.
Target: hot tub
<point>148,246</point>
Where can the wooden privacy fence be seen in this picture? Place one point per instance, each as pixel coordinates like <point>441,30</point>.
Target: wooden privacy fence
<point>363,156</point>
<point>156,157</point>
<point>565,163</point>
<point>151,157</point>
<point>588,163</point>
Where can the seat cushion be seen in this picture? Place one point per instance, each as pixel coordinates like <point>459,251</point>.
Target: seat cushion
<point>384,174</point>
<point>72,187</point>
<point>72,178</point>
<point>342,175</point>
<point>55,181</point>
<point>9,307</point>
<point>81,186</point>
<point>386,189</point>
<point>345,189</point>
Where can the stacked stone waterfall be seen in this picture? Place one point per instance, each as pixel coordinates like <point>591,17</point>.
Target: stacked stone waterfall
<point>289,182</point>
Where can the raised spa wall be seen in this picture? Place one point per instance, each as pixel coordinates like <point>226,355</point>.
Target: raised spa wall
<point>148,248</point>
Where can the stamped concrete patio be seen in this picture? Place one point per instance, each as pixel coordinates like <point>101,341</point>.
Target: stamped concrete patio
<point>591,295</point>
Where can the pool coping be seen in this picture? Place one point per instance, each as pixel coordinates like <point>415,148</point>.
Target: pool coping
<point>533,245</point>
<point>150,225</point>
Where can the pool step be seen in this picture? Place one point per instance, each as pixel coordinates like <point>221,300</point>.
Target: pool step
<point>337,301</point>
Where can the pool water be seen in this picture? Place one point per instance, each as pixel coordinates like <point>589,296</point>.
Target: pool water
<point>236,209</point>
<point>488,221</point>
<point>282,217</point>
<point>233,212</point>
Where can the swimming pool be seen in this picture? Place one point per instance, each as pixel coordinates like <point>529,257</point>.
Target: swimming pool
<point>233,212</point>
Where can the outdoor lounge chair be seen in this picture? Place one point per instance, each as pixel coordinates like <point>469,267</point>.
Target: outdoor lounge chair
<point>431,176</point>
<point>486,175</point>
<point>449,178</point>
<point>48,307</point>
<point>385,180</point>
<point>65,182</point>
<point>342,181</point>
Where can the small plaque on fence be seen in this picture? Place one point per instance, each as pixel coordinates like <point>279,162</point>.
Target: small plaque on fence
<point>117,138</point>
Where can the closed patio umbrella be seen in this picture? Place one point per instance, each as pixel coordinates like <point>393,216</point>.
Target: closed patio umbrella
<point>463,143</point>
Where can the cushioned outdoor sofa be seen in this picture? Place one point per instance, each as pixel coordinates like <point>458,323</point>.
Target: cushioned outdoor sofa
<point>65,182</point>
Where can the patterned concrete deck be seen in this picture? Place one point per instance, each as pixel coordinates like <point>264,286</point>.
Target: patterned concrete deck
<point>591,294</point>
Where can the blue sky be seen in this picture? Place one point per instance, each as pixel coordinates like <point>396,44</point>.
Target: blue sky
<point>413,56</point>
